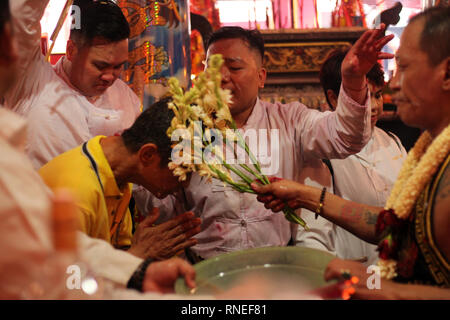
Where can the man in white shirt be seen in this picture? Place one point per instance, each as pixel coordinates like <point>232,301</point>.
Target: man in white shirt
<point>368,176</point>
<point>82,95</point>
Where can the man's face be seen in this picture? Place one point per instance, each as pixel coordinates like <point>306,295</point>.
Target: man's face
<point>376,101</point>
<point>416,83</point>
<point>242,72</point>
<point>160,181</point>
<point>96,67</point>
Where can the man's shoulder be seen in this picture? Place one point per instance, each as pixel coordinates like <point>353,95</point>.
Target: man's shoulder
<point>281,105</point>
<point>387,138</point>
<point>71,170</point>
<point>285,110</point>
<point>123,87</point>
<point>120,91</point>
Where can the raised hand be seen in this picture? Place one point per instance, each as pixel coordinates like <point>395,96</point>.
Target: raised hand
<point>361,58</point>
<point>161,276</point>
<point>167,239</point>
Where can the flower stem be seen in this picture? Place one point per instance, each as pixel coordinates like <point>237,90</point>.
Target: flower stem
<point>292,217</point>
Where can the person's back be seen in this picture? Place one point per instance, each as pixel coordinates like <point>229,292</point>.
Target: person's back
<point>81,96</point>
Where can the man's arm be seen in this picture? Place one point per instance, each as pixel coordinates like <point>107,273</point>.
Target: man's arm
<point>357,218</point>
<point>347,130</point>
<point>26,15</point>
<point>106,261</point>
<point>388,289</point>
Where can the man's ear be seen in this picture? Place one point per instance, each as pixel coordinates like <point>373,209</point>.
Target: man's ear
<point>262,75</point>
<point>332,98</point>
<point>446,71</point>
<point>71,50</point>
<point>8,49</point>
<point>148,154</point>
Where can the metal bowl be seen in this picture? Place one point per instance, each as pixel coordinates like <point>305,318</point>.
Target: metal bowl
<point>296,265</point>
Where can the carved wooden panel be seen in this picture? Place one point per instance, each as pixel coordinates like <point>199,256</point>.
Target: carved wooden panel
<point>299,57</point>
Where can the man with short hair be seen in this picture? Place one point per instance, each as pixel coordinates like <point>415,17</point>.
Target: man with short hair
<point>368,176</point>
<point>412,229</point>
<point>235,221</point>
<point>100,173</point>
<point>82,95</point>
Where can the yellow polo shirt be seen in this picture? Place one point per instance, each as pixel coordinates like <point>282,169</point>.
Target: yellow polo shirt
<point>86,172</point>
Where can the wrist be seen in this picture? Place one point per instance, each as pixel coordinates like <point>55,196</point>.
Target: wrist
<point>354,83</point>
<point>319,207</point>
<point>308,197</point>
<point>137,279</point>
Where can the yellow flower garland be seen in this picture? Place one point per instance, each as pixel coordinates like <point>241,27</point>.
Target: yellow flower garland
<point>421,164</point>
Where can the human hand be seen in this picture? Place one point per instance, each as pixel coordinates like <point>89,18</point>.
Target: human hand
<point>161,276</point>
<point>363,55</point>
<point>167,239</point>
<point>278,193</point>
<point>339,269</point>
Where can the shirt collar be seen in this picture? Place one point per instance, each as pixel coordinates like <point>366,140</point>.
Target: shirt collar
<point>255,116</point>
<point>110,187</point>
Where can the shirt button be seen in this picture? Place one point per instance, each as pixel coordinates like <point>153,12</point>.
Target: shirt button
<point>243,223</point>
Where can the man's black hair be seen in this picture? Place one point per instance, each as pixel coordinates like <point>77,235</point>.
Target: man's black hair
<point>434,39</point>
<point>151,127</point>
<point>331,78</point>
<point>99,19</point>
<point>252,37</point>
<point>5,15</point>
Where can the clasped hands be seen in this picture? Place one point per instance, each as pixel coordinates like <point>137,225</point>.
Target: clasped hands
<point>167,239</point>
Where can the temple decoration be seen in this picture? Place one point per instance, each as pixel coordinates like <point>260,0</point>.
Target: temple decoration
<point>208,10</point>
<point>159,46</point>
<point>348,13</point>
<point>300,56</point>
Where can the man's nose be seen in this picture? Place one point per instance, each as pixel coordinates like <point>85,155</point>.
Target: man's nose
<point>395,81</point>
<point>109,76</point>
<point>225,72</point>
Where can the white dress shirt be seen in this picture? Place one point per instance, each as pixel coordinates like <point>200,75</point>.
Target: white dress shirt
<point>366,177</point>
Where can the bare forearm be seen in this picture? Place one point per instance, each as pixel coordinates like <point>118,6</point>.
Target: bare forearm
<point>398,291</point>
<point>357,218</point>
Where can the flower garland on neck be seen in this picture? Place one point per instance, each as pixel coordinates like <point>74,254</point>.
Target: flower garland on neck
<point>420,166</point>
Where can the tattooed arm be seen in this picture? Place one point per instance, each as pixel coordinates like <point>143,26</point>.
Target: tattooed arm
<point>358,219</point>
<point>441,214</point>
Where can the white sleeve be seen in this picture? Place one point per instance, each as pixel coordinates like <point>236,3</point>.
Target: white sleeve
<point>26,16</point>
<point>106,261</point>
<point>338,134</point>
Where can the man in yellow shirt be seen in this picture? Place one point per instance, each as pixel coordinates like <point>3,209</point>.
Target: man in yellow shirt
<point>100,173</point>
